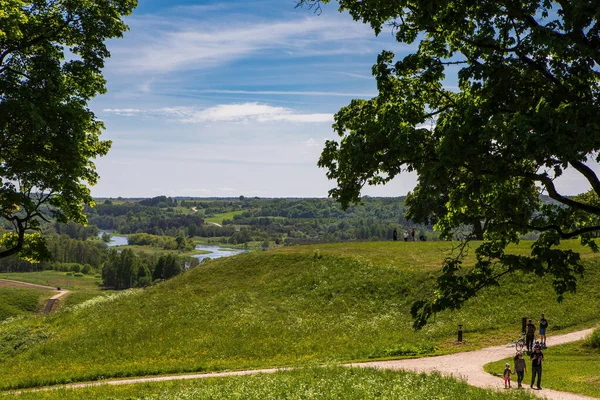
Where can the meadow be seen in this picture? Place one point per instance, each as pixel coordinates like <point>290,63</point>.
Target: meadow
<point>21,301</point>
<point>305,384</point>
<point>296,306</point>
<point>219,218</point>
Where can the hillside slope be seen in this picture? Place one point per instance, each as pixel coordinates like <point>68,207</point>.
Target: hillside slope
<point>296,306</point>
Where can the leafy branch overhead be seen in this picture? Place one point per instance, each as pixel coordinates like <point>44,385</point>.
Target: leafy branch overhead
<point>525,111</point>
<point>51,59</point>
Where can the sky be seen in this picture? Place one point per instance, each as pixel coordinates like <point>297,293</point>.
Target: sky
<point>228,98</point>
<point>212,98</point>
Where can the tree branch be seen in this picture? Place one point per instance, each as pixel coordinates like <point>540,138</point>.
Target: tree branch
<point>553,193</point>
<point>589,174</point>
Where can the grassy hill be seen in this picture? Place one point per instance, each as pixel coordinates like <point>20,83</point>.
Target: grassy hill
<point>296,306</point>
<point>20,301</point>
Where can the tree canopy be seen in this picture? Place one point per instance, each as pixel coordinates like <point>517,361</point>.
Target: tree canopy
<point>51,56</point>
<point>526,110</point>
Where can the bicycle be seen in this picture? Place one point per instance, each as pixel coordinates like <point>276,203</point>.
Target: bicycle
<point>521,344</point>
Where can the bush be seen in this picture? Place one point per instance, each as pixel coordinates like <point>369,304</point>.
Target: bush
<point>69,274</point>
<point>78,274</point>
<point>593,340</point>
<point>76,268</point>
<point>87,268</point>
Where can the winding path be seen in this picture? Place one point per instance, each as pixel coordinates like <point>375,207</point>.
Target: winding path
<point>467,366</point>
<point>51,300</point>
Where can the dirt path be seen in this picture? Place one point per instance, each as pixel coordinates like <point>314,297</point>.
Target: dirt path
<point>51,300</point>
<point>468,366</point>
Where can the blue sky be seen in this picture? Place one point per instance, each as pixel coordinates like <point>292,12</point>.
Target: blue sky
<point>227,98</point>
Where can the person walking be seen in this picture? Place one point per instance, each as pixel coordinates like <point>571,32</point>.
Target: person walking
<point>529,335</point>
<point>507,373</point>
<point>406,236</point>
<point>543,325</point>
<point>520,368</point>
<point>413,233</point>
<point>536,366</point>
<point>395,234</point>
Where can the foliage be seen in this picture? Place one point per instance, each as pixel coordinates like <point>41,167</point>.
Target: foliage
<point>308,383</point>
<point>51,56</point>
<point>593,341</point>
<point>526,110</point>
<point>286,308</point>
<point>289,221</point>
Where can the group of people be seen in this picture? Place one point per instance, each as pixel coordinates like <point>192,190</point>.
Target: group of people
<point>535,355</point>
<point>407,235</point>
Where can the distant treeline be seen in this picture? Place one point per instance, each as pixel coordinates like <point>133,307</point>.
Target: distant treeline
<point>280,220</point>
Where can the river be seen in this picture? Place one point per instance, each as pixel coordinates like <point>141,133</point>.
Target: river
<point>215,251</point>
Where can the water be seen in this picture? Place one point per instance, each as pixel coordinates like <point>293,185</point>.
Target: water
<point>216,252</point>
<point>115,240</point>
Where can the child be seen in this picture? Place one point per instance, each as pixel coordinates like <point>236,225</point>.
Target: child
<point>507,373</point>
<point>520,368</point>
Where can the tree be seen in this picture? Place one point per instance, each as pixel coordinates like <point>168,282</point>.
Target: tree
<point>51,57</point>
<point>525,111</point>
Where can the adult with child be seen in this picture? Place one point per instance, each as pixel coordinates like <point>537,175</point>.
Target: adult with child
<point>520,368</point>
<point>529,335</point>
<point>536,366</point>
<point>543,325</point>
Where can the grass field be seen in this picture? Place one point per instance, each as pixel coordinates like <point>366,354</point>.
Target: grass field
<point>305,384</point>
<point>218,218</point>
<point>55,279</point>
<point>21,301</point>
<point>283,308</point>
<point>571,367</point>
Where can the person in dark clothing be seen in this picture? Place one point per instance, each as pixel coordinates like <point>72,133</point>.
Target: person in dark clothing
<point>536,366</point>
<point>413,233</point>
<point>543,326</point>
<point>530,335</point>
<point>395,234</point>
<point>520,368</point>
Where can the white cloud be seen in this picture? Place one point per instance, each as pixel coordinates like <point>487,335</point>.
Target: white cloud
<point>127,112</point>
<point>186,44</point>
<point>288,93</point>
<point>312,143</point>
<point>243,112</point>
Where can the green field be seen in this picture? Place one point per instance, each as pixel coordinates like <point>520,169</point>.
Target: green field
<point>21,301</point>
<point>56,279</point>
<point>218,218</point>
<point>314,383</point>
<point>283,308</point>
<point>571,367</point>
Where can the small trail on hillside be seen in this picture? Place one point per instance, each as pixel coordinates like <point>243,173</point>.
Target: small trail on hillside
<point>51,300</point>
<point>467,366</point>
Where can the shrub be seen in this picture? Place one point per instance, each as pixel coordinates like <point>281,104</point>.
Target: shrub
<point>78,274</point>
<point>87,268</point>
<point>69,274</point>
<point>593,340</point>
<point>76,268</point>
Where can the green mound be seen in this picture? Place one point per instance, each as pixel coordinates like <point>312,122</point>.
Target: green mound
<point>19,301</point>
<point>284,308</point>
<point>314,383</point>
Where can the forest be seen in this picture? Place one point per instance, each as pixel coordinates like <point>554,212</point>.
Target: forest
<point>162,232</point>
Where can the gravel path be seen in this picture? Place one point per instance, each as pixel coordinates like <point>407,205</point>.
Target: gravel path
<point>467,365</point>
